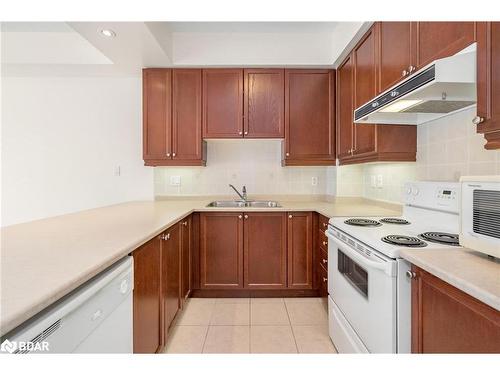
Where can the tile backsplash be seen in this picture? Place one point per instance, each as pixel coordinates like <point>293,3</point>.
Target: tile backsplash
<point>447,148</point>
<point>254,163</point>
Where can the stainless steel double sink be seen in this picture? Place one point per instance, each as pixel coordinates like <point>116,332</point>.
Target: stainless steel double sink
<point>242,204</point>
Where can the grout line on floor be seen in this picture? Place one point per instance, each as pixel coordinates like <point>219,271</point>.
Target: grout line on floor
<point>291,327</point>
<point>205,340</point>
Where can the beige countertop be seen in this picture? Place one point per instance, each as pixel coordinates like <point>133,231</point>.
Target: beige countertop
<point>470,271</point>
<point>43,260</point>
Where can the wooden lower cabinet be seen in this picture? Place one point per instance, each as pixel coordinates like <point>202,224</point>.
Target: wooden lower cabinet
<point>300,250</point>
<point>186,267</point>
<point>147,282</point>
<point>264,258</point>
<point>221,250</point>
<point>170,275</point>
<point>447,320</point>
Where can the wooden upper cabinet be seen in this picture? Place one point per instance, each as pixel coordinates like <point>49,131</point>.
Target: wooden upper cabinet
<point>488,83</point>
<point>187,141</point>
<point>264,103</point>
<point>221,250</point>
<point>447,320</point>
<point>435,40</point>
<point>157,101</point>
<point>265,250</point>
<point>365,88</point>
<point>345,108</point>
<point>309,117</point>
<point>170,271</point>
<point>300,249</point>
<point>395,53</point>
<point>147,261</point>
<point>222,103</point>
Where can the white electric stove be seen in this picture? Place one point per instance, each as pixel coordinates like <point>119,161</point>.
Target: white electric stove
<point>369,285</point>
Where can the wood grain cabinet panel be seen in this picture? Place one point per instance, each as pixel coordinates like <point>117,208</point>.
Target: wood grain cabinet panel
<point>171,281</point>
<point>488,82</point>
<point>187,141</point>
<point>365,89</point>
<point>186,268</point>
<point>345,108</point>
<point>264,97</point>
<point>264,250</point>
<point>395,53</point>
<point>221,250</point>
<point>435,40</point>
<point>300,249</point>
<point>147,261</point>
<point>157,102</point>
<point>309,117</point>
<point>222,103</point>
<point>447,320</point>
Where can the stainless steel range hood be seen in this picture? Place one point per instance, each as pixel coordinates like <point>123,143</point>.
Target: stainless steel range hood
<point>441,88</point>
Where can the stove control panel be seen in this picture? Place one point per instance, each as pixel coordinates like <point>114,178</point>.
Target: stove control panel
<point>444,196</point>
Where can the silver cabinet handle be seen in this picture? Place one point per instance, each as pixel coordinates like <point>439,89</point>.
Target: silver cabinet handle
<point>287,154</point>
<point>325,279</point>
<point>411,69</point>
<point>325,225</point>
<point>246,216</point>
<point>239,216</point>
<point>411,274</point>
<point>325,261</point>
<point>185,223</point>
<point>165,236</point>
<point>405,73</point>
<point>290,216</point>
<point>325,243</point>
<point>168,154</point>
<point>240,133</point>
<point>246,133</point>
<point>173,155</point>
<point>477,120</point>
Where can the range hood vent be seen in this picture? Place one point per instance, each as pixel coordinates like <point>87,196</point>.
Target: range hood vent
<point>443,87</point>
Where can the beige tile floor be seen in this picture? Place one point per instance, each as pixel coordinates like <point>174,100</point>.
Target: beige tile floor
<point>251,325</point>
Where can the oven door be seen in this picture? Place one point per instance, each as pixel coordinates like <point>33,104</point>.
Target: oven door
<point>363,286</point>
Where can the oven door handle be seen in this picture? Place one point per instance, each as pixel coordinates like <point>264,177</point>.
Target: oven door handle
<point>386,267</point>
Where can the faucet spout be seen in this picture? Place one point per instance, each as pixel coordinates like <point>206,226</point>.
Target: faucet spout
<point>242,196</point>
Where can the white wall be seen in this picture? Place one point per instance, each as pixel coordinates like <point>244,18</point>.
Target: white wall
<point>253,163</point>
<point>61,141</point>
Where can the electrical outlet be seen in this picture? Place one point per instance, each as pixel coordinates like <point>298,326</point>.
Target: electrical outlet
<point>373,181</point>
<point>380,181</point>
<point>118,171</point>
<point>175,180</point>
<point>314,181</point>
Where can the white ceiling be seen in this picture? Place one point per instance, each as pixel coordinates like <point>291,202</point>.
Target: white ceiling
<point>76,48</point>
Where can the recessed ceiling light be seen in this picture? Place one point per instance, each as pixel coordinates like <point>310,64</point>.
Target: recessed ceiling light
<point>108,33</point>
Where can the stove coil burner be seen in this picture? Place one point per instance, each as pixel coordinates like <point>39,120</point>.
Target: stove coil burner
<point>394,220</point>
<point>362,222</point>
<point>407,241</point>
<point>441,238</point>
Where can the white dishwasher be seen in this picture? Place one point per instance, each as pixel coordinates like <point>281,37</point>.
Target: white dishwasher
<point>95,318</point>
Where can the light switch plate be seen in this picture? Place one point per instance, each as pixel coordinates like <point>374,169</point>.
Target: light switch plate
<point>314,181</point>
<point>175,180</point>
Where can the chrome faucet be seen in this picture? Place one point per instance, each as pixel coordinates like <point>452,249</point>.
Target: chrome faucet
<point>243,195</point>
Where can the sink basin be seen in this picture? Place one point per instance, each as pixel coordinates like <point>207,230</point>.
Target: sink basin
<point>237,204</point>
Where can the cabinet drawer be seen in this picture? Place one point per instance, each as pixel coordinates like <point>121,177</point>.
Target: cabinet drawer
<point>323,223</point>
<point>323,259</point>
<point>323,281</point>
<point>322,240</point>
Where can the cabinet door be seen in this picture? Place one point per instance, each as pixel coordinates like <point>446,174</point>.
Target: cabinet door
<point>186,233</point>
<point>171,266</point>
<point>447,320</point>
<point>221,250</point>
<point>264,250</point>
<point>264,103</point>
<point>435,40</point>
<point>309,117</point>
<point>222,103</point>
<point>395,55</point>
<point>365,89</point>
<point>488,82</point>
<point>186,115</point>
<point>345,108</point>
<point>157,101</point>
<point>147,332</point>
<point>300,247</point>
